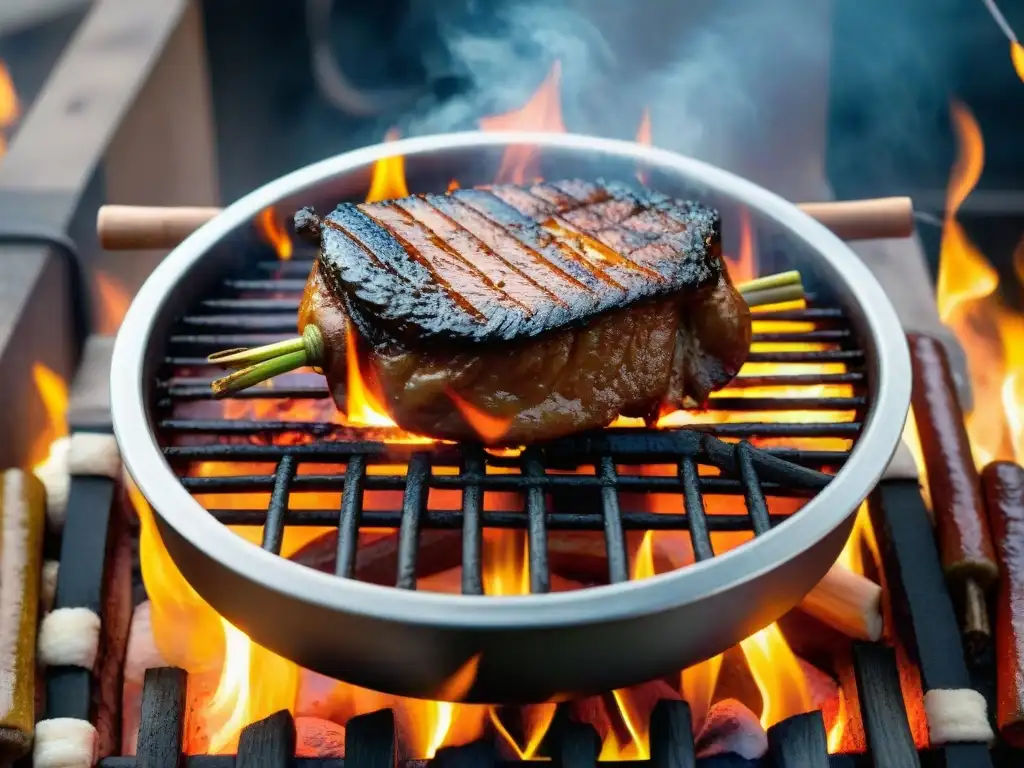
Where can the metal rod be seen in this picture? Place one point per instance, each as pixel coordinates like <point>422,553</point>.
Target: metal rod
<point>349,516</point>
<point>277,512</point>
<point>614,539</point>
<point>537,530</point>
<point>453,520</point>
<point>693,501</point>
<point>414,503</point>
<point>473,472</point>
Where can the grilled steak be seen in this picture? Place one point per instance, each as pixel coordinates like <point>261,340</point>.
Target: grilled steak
<point>549,308</point>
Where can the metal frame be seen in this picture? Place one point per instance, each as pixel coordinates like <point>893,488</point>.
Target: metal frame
<point>68,153</point>
<point>412,643</point>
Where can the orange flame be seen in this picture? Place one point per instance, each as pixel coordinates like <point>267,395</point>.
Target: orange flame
<point>272,230</point>
<point>990,333</point>
<point>363,409</point>
<point>778,675</point>
<point>53,392</point>
<point>542,112</point>
<point>964,274</point>
<point>1017,57</point>
<point>113,303</point>
<point>489,427</point>
<point>10,109</point>
<point>388,180</point>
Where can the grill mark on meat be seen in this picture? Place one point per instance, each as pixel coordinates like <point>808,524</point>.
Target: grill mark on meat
<point>548,276</point>
<point>473,267</point>
<point>594,248</point>
<point>522,201</point>
<point>530,234</point>
<point>513,281</point>
<point>582,191</point>
<point>472,293</point>
<point>361,246</point>
<point>555,196</point>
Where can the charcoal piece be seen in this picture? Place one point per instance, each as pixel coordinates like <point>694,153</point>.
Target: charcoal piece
<point>672,736</point>
<point>577,746</point>
<point>162,719</point>
<point>80,584</point>
<point>799,742</point>
<point>371,740</point>
<point>882,708</point>
<point>268,743</point>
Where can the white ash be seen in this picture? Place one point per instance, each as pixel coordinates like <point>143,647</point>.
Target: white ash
<point>731,727</point>
<point>64,742</point>
<point>69,637</point>
<point>957,715</point>
<point>53,474</point>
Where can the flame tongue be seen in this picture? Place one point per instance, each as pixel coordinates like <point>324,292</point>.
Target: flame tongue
<point>1017,56</point>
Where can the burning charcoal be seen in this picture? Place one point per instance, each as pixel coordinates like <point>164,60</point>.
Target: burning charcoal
<point>142,654</point>
<point>823,690</point>
<point>22,525</point>
<point>318,738</point>
<point>732,728</point>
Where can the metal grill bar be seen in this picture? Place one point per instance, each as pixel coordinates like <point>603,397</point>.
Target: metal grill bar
<point>614,538</point>
<point>327,429</point>
<point>414,503</point>
<point>349,516</point>
<point>277,512</point>
<point>753,494</point>
<point>705,484</point>
<point>556,521</point>
<point>629,447</point>
<point>537,530</point>
<point>779,358</point>
<point>472,527</point>
<point>259,306</point>
<point>693,501</point>
<point>199,389</point>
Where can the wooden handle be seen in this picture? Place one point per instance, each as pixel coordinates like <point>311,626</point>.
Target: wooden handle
<point>884,217</point>
<point>127,227</point>
<point>131,227</point>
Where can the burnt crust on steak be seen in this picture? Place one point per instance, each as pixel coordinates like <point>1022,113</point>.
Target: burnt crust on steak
<point>507,262</point>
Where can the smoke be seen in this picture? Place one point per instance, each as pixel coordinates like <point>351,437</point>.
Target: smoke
<point>755,87</point>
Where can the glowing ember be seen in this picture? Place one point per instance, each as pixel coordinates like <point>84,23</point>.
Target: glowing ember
<point>542,112</point>
<point>388,181</point>
<point>272,230</point>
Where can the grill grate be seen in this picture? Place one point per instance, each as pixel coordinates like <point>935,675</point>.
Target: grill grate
<point>763,451</point>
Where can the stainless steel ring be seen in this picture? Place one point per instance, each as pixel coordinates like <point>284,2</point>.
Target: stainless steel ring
<point>420,639</point>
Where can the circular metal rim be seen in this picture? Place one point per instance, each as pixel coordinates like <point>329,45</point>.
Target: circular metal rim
<point>871,453</point>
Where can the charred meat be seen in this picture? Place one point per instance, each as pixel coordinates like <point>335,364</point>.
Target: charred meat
<point>548,309</point>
